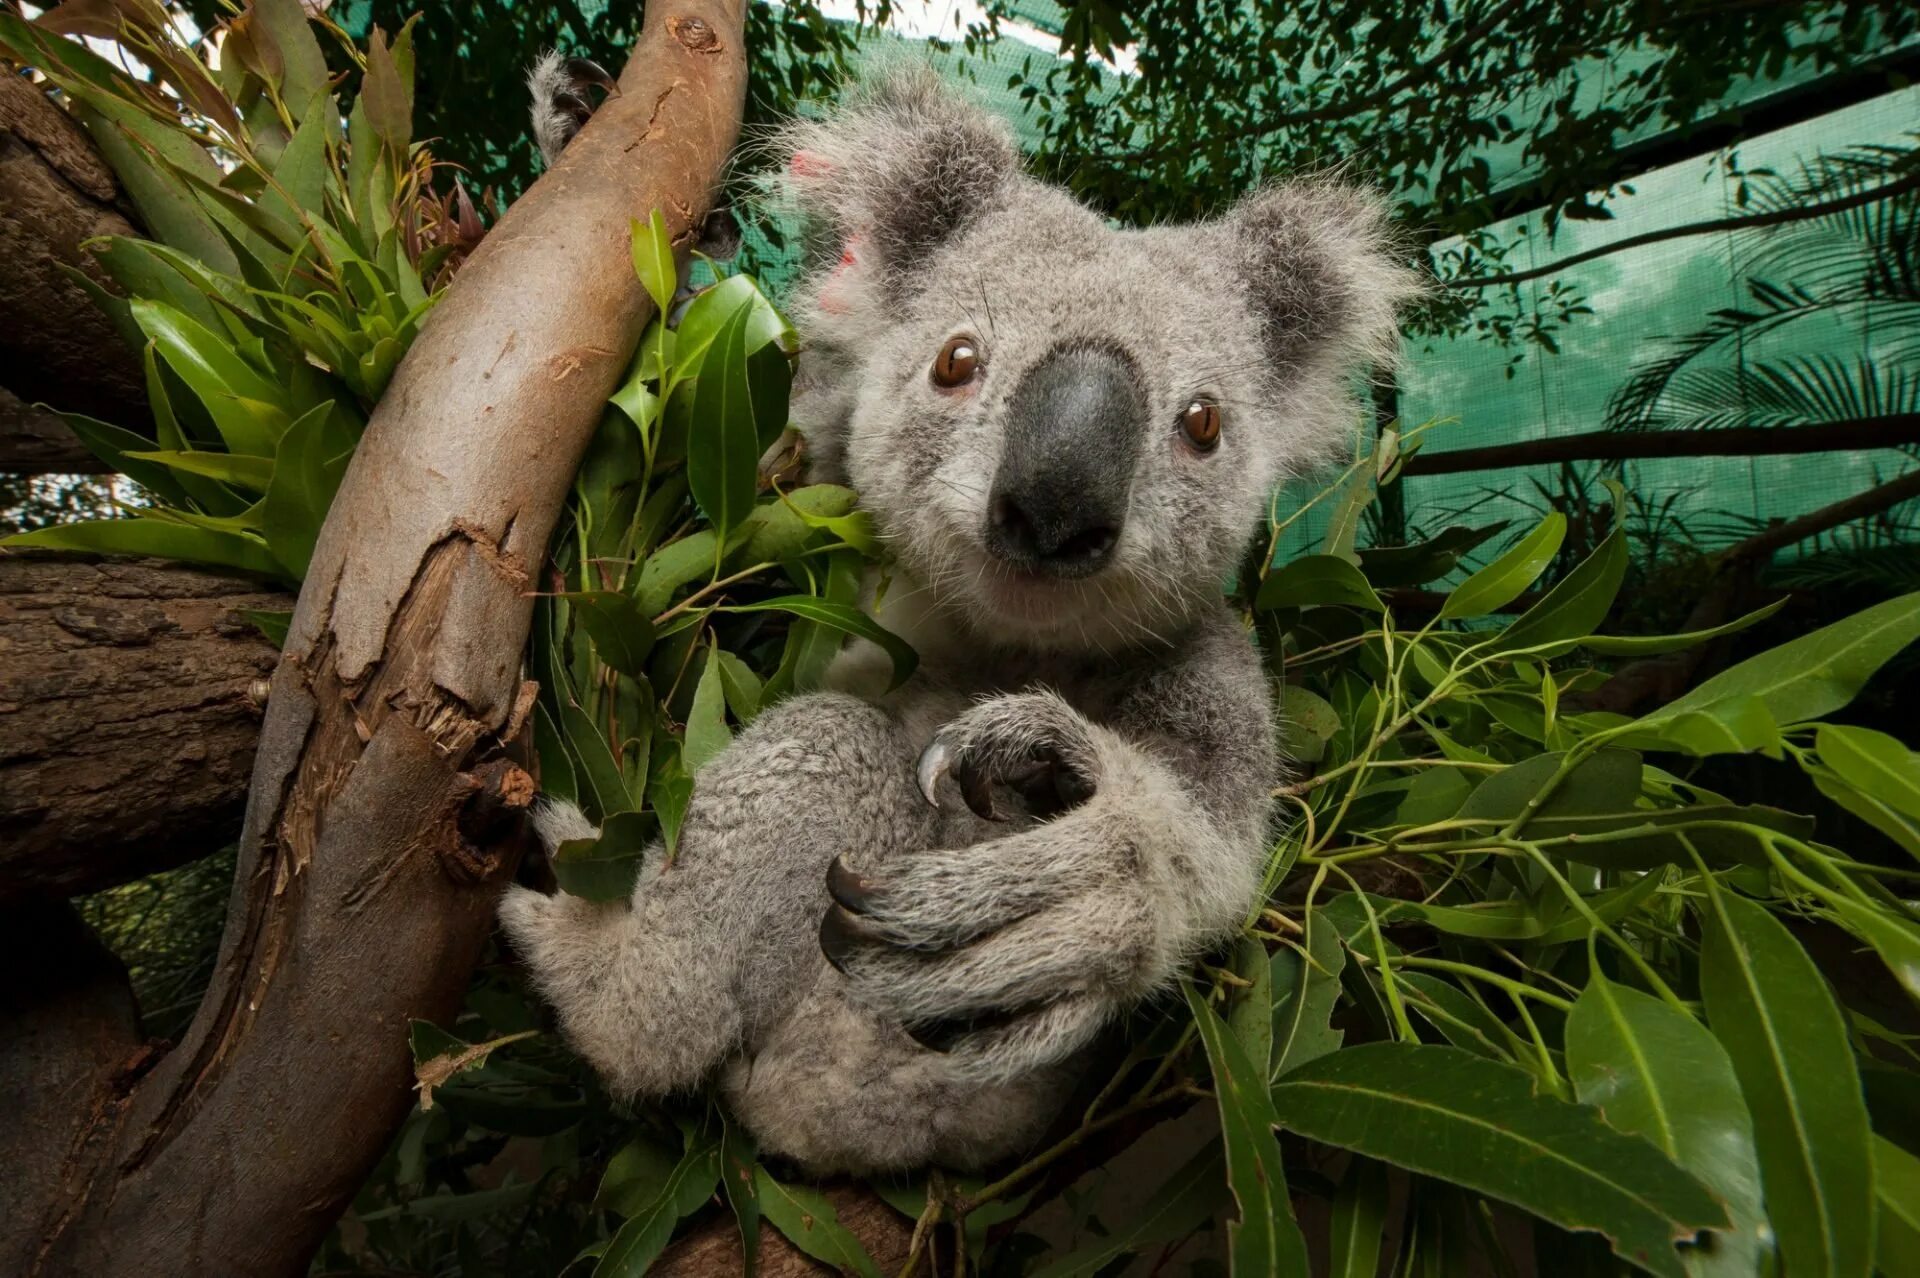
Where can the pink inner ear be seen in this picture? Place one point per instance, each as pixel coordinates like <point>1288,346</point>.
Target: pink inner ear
<point>807,164</point>
<point>830,299</point>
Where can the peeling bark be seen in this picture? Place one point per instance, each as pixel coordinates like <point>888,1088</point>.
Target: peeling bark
<point>360,901</point>
<point>56,192</point>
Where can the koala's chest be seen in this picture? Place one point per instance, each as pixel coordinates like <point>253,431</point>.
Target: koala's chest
<point>942,687</point>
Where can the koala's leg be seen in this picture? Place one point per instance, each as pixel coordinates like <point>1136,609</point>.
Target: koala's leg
<point>713,950</point>
<point>841,1090</point>
<point>562,103</point>
<point>1011,954</point>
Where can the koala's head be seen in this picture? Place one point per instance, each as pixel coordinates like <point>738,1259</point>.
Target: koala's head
<point>1066,431</point>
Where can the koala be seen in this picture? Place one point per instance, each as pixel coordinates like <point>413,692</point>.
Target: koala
<point>900,922</point>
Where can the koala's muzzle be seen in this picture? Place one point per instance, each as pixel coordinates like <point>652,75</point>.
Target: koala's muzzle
<point>1073,430</point>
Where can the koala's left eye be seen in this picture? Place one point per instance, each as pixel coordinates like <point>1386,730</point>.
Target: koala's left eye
<point>1200,423</point>
<point>957,363</point>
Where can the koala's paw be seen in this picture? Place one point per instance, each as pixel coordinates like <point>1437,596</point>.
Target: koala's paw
<point>561,99</point>
<point>1032,749</point>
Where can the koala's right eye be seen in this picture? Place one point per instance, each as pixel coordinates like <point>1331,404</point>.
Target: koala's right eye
<point>957,363</point>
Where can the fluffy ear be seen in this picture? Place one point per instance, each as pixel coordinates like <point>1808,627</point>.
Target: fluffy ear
<point>1322,272</point>
<point>888,178</point>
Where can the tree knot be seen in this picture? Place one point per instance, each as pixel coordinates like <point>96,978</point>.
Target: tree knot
<point>492,803</point>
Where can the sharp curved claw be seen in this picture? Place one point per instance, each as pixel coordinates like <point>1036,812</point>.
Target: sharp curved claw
<point>587,71</point>
<point>573,104</point>
<point>839,934</point>
<point>848,888</point>
<point>935,761</point>
<point>975,789</point>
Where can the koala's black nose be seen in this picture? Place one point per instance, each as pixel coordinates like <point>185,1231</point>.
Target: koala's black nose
<point>1073,427</point>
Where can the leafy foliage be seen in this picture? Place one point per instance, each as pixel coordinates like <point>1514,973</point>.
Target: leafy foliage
<point>292,262</point>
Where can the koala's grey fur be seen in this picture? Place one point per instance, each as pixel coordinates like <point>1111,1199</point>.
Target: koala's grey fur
<point>1008,946</point>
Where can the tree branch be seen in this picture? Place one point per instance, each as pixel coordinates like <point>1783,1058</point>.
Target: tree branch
<point>1777,217</point>
<point>1897,430</point>
<point>360,901</point>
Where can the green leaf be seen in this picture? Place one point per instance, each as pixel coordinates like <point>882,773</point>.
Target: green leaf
<point>1317,579</point>
<point>241,471</point>
<point>1181,1205</point>
<point>307,470</point>
<point>1896,826</point>
<point>1873,763</point>
<point>723,448</point>
<point>646,1234</point>
<point>1250,1016</point>
<point>605,868</point>
<point>1737,725</point>
<point>1507,577</point>
<point>847,620</point>
<point>621,632</point>
<point>1435,795</point>
<point>635,1177</point>
<point>669,791</point>
<point>303,67</point>
<point>167,206</point>
<point>1809,677</point>
<point>710,312</point>
<point>739,1157</point>
<point>1306,989</point>
<point>1655,645</point>
<point>1896,1185</point>
<point>1464,1021</point>
<point>1265,1239</point>
<point>159,538</point>
<point>707,733</point>
<point>1610,907</point>
<point>780,528</point>
<point>121,450</point>
<point>243,403</point>
<point>1447,1113</point>
<point>809,1222</point>
<point>653,260</point>
<point>1656,1072</point>
<point>1428,561</point>
<point>741,685</point>
<point>388,97</point>
<point>1771,1009</point>
<point>1359,1220</point>
<point>1723,833</point>
<point>1604,782</point>
<point>269,623</point>
<point>1893,937</point>
<point>1578,602</point>
<point>1307,723</point>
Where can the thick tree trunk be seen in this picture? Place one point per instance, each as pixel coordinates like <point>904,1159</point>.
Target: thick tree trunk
<point>130,697</point>
<point>34,441</point>
<point>361,897</point>
<point>55,192</point>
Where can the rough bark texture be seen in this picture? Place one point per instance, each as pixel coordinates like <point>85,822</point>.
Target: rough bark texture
<point>360,901</point>
<point>129,708</point>
<point>34,441</point>
<point>715,1249</point>
<point>71,1036</point>
<point>55,192</point>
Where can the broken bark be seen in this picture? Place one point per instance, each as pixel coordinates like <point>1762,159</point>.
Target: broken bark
<point>130,698</point>
<point>359,901</point>
<point>55,193</point>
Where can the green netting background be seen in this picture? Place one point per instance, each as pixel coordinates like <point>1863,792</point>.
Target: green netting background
<point>1639,298</point>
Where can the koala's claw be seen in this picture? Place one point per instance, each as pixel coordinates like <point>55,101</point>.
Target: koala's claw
<point>939,759</point>
<point>585,71</point>
<point>841,933</point>
<point>851,890</point>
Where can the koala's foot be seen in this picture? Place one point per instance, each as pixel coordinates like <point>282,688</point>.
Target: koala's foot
<point>1009,955</point>
<point>1033,748</point>
<point>562,101</point>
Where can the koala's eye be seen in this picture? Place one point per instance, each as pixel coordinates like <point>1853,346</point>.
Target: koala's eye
<point>1200,423</point>
<point>957,363</point>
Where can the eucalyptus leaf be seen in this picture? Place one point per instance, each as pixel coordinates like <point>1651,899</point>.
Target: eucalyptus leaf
<point>1265,1239</point>
<point>653,260</point>
<point>808,1220</point>
<point>1508,576</point>
<point>1770,1007</point>
<point>1447,1113</point>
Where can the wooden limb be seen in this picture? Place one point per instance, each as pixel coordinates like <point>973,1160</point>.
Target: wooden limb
<point>1899,430</point>
<point>72,1040</point>
<point>55,193</point>
<point>715,1248</point>
<point>130,698</point>
<point>34,441</point>
<point>359,900</point>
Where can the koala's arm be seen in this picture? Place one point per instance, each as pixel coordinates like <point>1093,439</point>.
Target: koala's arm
<point>1012,953</point>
